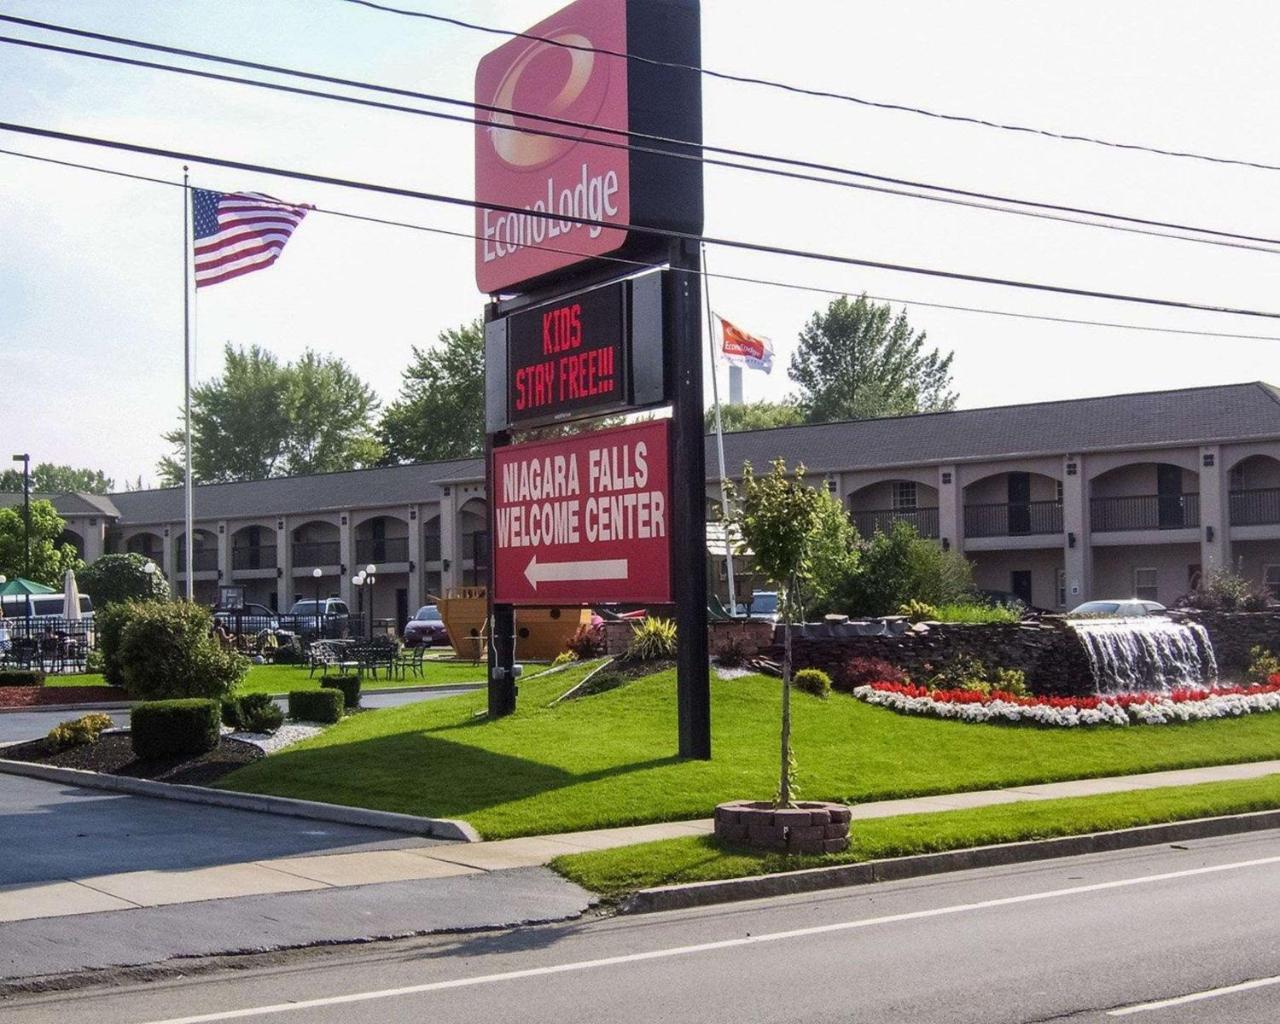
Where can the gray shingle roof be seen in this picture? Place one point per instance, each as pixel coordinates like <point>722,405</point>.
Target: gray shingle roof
<point>1157,418</point>
<point>1201,415</point>
<point>73,503</point>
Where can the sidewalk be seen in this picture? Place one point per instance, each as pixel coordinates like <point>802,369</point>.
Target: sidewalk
<point>341,870</point>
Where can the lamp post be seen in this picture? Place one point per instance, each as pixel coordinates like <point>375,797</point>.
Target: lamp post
<point>369,571</point>
<point>357,581</point>
<point>25,459</point>
<point>315,575</point>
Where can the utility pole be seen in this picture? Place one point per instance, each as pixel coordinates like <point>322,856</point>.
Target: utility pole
<point>25,459</point>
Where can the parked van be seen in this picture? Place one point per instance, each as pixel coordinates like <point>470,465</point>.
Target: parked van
<point>44,607</point>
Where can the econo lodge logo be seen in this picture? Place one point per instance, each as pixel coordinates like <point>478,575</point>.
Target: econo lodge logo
<point>552,178</point>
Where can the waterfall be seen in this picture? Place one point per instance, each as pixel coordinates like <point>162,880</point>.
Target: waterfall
<point>1151,653</point>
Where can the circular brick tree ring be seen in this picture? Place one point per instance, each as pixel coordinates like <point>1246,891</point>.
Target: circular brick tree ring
<point>808,826</point>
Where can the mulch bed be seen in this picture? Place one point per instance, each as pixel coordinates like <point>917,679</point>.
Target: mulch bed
<point>37,696</point>
<point>113,754</point>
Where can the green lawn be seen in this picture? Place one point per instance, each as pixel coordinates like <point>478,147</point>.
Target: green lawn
<point>700,858</point>
<point>283,678</point>
<point>609,759</point>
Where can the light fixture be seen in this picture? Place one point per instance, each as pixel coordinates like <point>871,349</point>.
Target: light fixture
<point>1071,540</point>
<point>1208,534</point>
<point>316,573</point>
<point>150,568</point>
<point>369,570</point>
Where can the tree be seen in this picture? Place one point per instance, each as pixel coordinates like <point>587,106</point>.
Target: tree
<point>756,416</point>
<point>262,418</point>
<point>898,567</point>
<point>856,360</point>
<point>49,559</point>
<point>50,479</point>
<point>793,536</point>
<point>113,579</point>
<point>439,413</point>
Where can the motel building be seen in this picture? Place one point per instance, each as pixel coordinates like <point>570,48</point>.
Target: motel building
<point>1057,502</point>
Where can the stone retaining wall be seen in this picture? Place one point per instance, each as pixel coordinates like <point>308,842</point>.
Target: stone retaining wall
<point>1048,651</point>
<point>1233,634</point>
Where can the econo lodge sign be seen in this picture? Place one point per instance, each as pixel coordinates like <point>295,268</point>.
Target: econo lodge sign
<point>585,519</point>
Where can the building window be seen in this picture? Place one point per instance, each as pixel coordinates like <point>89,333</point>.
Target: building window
<point>1146,584</point>
<point>833,485</point>
<point>904,495</point>
<point>1061,588</point>
<point>1271,580</point>
<point>1057,491</point>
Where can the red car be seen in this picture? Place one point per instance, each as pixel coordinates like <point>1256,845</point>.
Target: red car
<point>426,629</point>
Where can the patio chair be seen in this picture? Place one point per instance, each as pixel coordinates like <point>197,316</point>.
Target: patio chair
<point>410,660</point>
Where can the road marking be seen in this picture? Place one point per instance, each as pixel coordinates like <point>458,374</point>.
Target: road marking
<point>1195,997</point>
<point>706,947</point>
<point>571,572</point>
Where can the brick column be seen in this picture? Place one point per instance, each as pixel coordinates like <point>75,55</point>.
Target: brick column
<point>415,559</point>
<point>1215,521</point>
<point>224,554</point>
<point>284,565</point>
<point>950,509</point>
<point>450,544</point>
<point>347,557</point>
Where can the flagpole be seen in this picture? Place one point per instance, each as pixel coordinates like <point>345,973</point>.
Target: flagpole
<point>189,503</point>
<point>715,401</point>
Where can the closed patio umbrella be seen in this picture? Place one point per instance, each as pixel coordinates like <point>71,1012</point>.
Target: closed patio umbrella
<point>71,597</point>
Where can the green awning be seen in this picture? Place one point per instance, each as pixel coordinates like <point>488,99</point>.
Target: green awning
<point>24,587</point>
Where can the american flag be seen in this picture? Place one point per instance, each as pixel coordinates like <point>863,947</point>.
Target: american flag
<point>239,232</point>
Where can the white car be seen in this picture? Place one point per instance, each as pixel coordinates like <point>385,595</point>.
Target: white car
<point>1124,608</point>
<point>44,607</point>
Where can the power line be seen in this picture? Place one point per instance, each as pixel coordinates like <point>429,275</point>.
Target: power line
<point>645,265</point>
<point>818,93</point>
<point>691,151</point>
<point>669,234</point>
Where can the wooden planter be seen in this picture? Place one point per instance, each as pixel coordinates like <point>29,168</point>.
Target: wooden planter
<point>809,826</point>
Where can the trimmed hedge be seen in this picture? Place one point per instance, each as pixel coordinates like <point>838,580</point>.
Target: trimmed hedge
<point>315,705</point>
<point>174,728</point>
<point>21,677</point>
<point>349,685</point>
<point>814,681</point>
<point>167,650</point>
<point>254,712</point>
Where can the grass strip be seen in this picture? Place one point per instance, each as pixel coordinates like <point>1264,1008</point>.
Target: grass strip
<point>700,858</point>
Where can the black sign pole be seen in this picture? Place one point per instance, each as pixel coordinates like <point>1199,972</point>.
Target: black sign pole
<point>501,632</point>
<point>689,500</point>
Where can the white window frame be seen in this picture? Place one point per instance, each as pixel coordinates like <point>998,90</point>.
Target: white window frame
<point>1057,491</point>
<point>1271,586</point>
<point>906,496</point>
<point>1060,585</point>
<point>1152,590</point>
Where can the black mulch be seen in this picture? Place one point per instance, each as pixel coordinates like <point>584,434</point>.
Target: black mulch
<point>113,754</point>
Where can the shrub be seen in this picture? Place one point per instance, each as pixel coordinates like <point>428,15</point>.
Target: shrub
<point>564,658</point>
<point>918,611</point>
<point>21,677</point>
<point>174,728</point>
<point>315,705</point>
<point>1010,680</point>
<point>348,685</point>
<point>1224,590</point>
<point>166,651</point>
<point>586,643</point>
<point>734,652</point>
<point>1262,666</point>
<point>94,661</point>
<point>79,731</point>
<point>896,568</point>
<point>230,711</point>
<point>254,712</point>
<point>964,672</point>
<point>859,671</point>
<point>652,640</point>
<point>109,623</point>
<point>814,681</point>
<point>977,612</point>
<point>115,579</point>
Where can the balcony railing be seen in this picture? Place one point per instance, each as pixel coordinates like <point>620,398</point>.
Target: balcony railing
<point>1016,519</point>
<point>317,552</point>
<point>388,549</point>
<point>254,556</point>
<point>1144,512</point>
<point>925,520</point>
<point>1258,506</point>
<point>205,560</point>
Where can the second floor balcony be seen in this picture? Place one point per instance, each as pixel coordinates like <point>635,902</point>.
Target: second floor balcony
<point>202,560</point>
<point>380,550</point>
<point>1259,506</point>
<point>1013,519</point>
<point>1144,512</point>
<point>316,552</point>
<point>253,556</point>
<point>871,521</point>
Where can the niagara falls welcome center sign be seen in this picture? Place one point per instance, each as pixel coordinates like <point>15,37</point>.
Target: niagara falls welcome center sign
<point>584,519</point>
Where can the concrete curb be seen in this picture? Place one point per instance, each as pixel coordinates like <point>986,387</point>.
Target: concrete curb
<point>99,706</point>
<point>701,894</point>
<point>437,828</point>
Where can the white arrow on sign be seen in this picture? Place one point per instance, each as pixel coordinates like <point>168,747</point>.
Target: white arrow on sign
<point>563,572</point>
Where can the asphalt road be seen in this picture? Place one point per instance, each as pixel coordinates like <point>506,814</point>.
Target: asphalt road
<point>1088,939</point>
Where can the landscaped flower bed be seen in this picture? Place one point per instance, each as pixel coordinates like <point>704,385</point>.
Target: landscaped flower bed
<point>1183,705</point>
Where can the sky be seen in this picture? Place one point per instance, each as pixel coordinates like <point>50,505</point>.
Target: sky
<point>91,265</point>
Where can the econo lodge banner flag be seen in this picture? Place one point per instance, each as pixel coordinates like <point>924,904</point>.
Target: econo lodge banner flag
<point>737,346</point>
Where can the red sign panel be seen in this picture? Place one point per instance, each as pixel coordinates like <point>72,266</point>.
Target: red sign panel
<point>557,76</point>
<point>584,519</point>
